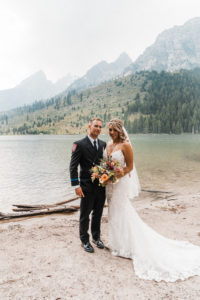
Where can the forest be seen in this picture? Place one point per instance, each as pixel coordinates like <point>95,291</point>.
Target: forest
<point>147,101</point>
<point>171,104</point>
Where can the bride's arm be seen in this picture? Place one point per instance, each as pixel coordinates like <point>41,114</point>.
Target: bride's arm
<point>128,155</point>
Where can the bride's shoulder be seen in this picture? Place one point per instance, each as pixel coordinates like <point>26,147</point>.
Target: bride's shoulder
<point>126,147</point>
<point>126,144</point>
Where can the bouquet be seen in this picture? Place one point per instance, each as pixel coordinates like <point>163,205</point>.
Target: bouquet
<point>107,170</point>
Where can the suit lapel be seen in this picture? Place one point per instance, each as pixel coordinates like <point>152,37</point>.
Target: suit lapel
<point>100,147</point>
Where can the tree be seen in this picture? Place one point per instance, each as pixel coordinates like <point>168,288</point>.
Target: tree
<point>69,101</point>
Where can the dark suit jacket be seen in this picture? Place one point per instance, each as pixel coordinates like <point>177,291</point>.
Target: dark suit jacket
<point>84,154</point>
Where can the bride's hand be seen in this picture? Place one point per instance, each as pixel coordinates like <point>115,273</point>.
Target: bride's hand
<point>120,175</point>
<point>106,182</point>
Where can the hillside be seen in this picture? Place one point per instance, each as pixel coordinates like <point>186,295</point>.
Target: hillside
<point>148,102</point>
<point>70,112</point>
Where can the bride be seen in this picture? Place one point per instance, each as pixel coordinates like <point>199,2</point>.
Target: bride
<point>154,256</point>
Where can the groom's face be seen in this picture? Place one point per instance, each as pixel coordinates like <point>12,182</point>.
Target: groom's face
<point>95,128</point>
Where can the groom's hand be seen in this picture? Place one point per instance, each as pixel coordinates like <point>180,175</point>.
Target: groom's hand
<point>79,192</point>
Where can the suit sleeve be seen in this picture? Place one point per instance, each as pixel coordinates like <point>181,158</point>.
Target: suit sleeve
<point>75,160</point>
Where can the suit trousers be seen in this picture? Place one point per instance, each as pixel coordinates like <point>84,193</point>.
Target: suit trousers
<point>92,202</point>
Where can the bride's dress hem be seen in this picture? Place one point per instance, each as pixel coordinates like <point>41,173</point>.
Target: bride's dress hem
<point>154,256</point>
<point>152,275</point>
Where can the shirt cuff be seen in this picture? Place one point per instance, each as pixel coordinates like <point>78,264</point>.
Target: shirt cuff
<point>75,187</point>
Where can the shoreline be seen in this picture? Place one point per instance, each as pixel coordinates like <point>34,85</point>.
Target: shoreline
<point>41,257</point>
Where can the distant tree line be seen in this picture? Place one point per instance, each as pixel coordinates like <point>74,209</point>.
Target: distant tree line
<point>171,103</point>
<point>4,119</point>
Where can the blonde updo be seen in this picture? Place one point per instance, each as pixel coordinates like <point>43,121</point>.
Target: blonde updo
<point>117,125</point>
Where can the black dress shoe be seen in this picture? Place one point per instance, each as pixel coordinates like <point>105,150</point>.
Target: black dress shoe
<point>88,247</point>
<point>98,243</point>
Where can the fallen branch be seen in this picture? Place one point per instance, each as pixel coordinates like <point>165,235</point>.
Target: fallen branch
<point>36,209</point>
<point>41,206</point>
<point>24,210</point>
<point>46,211</point>
<point>28,209</point>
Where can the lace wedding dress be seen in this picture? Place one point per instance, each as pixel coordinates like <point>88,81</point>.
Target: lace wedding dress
<point>154,256</point>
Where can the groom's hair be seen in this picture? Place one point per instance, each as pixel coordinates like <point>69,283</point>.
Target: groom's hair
<point>95,119</point>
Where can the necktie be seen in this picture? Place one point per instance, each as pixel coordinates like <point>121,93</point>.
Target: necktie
<point>95,145</point>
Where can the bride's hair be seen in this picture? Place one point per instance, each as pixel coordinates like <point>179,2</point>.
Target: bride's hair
<point>118,124</point>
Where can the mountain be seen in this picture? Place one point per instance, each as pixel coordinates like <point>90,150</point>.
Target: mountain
<point>101,72</point>
<point>33,88</point>
<point>63,83</point>
<point>37,86</point>
<point>174,49</point>
<point>147,101</point>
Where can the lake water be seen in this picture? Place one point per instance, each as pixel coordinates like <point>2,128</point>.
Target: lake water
<point>35,169</point>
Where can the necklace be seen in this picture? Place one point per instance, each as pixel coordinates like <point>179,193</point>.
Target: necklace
<point>114,146</point>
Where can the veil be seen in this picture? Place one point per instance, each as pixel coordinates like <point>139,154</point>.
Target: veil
<point>134,186</point>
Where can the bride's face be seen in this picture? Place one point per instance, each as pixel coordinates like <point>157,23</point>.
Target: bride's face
<point>113,134</point>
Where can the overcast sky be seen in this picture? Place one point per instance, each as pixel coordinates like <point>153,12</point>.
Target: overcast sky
<point>70,36</point>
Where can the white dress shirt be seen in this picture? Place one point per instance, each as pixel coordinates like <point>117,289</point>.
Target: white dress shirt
<point>92,141</point>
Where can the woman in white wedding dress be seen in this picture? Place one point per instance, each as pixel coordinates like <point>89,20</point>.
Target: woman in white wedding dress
<point>154,256</point>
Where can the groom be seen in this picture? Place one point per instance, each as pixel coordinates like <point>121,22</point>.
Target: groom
<point>86,153</point>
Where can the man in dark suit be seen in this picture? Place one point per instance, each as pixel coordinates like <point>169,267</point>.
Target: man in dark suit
<point>86,153</point>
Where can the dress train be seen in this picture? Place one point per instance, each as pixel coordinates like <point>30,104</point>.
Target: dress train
<point>154,256</point>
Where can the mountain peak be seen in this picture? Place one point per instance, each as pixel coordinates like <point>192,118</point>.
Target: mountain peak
<point>123,56</point>
<point>175,48</point>
<point>38,76</point>
<point>34,87</point>
<point>101,72</point>
<point>123,60</point>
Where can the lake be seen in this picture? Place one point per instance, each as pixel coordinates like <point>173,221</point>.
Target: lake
<point>35,169</point>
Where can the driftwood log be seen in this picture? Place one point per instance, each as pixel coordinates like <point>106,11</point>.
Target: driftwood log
<point>25,210</point>
<point>37,212</point>
<point>39,206</point>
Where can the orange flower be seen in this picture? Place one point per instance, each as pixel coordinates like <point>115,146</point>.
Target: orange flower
<point>104,177</point>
